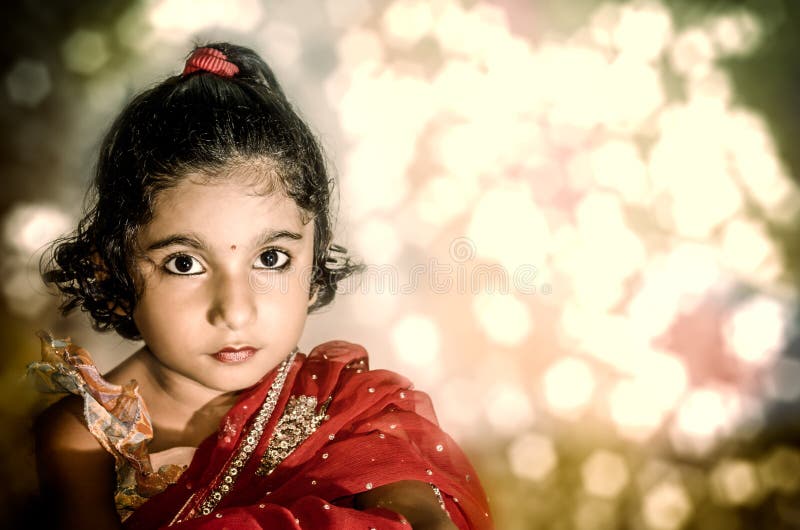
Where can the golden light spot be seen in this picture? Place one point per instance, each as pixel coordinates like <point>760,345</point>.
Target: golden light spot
<point>643,30</point>
<point>666,506</point>
<point>508,407</point>
<point>379,240</point>
<point>175,19</point>
<point>404,23</point>
<point>604,474</point>
<point>737,33</point>
<point>532,456</point>
<point>85,52</point>
<point>635,416</point>
<point>568,386</point>
<point>692,52</point>
<point>416,340</point>
<point>503,318</point>
<point>756,330</point>
<point>735,482</point>
<point>27,228</point>
<point>780,470</point>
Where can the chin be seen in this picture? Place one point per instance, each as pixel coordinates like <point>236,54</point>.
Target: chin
<point>233,385</point>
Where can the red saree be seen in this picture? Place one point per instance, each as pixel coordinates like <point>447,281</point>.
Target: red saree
<point>354,430</point>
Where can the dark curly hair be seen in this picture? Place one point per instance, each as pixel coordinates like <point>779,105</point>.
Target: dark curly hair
<point>195,123</point>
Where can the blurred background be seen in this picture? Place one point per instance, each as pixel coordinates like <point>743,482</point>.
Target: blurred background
<point>580,220</point>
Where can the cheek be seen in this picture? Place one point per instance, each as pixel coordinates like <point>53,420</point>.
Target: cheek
<point>284,295</point>
<point>294,284</point>
<point>283,299</point>
<point>152,318</point>
<point>303,280</point>
<point>163,310</point>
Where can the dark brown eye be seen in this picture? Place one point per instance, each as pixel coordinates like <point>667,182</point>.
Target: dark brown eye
<point>183,264</point>
<point>272,259</point>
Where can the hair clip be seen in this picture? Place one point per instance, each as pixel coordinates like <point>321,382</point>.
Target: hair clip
<point>336,258</point>
<point>210,60</point>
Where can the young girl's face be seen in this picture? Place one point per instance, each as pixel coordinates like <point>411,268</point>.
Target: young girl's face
<point>226,274</point>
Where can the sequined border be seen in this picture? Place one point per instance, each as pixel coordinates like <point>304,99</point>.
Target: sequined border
<point>299,421</point>
<point>249,442</point>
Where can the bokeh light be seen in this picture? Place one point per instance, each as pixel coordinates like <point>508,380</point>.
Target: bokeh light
<point>700,420</point>
<point>496,220</point>
<point>404,23</point>
<point>780,470</point>
<point>532,456</point>
<point>85,51</point>
<point>378,238</point>
<point>28,82</point>
<point>508,408</point>
<point>735,33</point>
<point>177,19</point>
<point>27,228</point>
<point>756,330</point>
<point>604,474</point>
<point>568,386</point>
<point>643,29</point>
<point>735,482</point>
<point>505,319</point>
<point>667,506</point>
<point>416,340</point>
<point>283,43</point>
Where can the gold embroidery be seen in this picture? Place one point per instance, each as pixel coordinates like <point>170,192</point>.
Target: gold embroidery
<point>299,421</point>
<point>249,442</point>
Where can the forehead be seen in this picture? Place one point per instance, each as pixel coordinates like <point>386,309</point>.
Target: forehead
<point>237,206</point>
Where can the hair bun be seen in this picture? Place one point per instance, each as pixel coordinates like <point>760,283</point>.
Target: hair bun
<point>251,67</point>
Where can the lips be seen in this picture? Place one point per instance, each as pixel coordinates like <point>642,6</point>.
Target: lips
<point>235,355</point>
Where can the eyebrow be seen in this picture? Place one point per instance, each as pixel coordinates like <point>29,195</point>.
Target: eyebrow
<point>190,240</point>
<point>270,236</point>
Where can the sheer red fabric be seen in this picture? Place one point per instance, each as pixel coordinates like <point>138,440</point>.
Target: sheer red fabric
<point>363,429</point>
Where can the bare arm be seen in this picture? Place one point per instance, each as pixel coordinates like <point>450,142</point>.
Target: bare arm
<point>76,475</point>
<point>413,500</point>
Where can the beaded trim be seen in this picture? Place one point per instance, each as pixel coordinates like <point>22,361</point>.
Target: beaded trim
<point>299,421</point>
<point>439,498</point>
<point>249,442</point>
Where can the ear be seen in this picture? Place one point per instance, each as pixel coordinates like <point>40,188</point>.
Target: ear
<point>117,309</point>
<point>313,299</point>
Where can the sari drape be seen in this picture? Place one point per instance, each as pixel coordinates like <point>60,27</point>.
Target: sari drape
<point>337,429</point>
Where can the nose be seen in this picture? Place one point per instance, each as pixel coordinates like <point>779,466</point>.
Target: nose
<point>233,301</point>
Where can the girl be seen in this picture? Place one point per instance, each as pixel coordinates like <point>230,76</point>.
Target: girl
<point>210,240</point>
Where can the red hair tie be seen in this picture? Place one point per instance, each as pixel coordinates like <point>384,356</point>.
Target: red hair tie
<point>210,60</point>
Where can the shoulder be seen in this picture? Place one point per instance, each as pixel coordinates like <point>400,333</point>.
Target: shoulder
<point>66,451</point>
<point>72,467</point>
<point>339,359</point>
<point>341,370</point>
<point>65,448</point>
<point>336,358</point>
<point>61,427</point>
<point>330,364</point>
<point>340,351</point>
